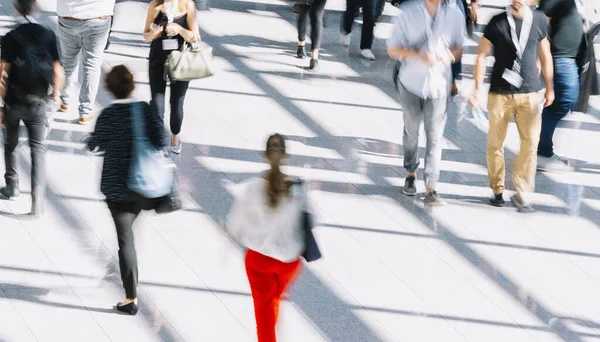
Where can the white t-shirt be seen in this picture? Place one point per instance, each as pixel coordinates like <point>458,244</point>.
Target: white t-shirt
<point>274,232</point>
<point>85,9</point>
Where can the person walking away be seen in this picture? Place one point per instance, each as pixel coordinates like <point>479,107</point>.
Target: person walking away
<point>457,65</point>
<point>566,37</point>
<point>169,24</point>
<point>266,220</point>
<point>114,135</point>
<point>32,79</point>
<point>313,9</point>
<point>83,27</point>
<point>517,35</point>
<point>112,21</point>
<point>366,40</point>
<point>427,38</point>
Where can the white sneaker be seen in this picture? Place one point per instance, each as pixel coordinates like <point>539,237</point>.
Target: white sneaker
<point>553,164</point>
<point>367,54</point>
<point>345,39</point>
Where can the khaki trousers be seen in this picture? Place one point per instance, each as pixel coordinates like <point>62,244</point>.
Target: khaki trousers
<point>526,110</point>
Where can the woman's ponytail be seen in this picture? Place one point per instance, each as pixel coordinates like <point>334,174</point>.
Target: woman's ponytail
<point>275,153</point>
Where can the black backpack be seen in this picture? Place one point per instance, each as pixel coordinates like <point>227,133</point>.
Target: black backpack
<point>31,71</point>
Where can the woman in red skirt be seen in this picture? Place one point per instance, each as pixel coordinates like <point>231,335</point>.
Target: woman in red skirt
<point>266,221</point>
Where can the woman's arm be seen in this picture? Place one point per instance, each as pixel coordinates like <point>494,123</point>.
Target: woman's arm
<point>150,32</point>
<point>102,132</point>
<point>237,214</point>
<point>192,34</point>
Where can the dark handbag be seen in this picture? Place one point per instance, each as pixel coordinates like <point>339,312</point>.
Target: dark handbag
<point>311,250</point>
<point>589,83</point>
<point>171,202</point>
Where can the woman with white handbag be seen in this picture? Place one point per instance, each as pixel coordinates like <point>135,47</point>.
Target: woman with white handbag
<point>169,25</point>
<point>136,175</point>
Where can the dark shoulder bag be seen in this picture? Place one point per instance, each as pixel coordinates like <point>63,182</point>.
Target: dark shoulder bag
<point>312,252</point>
<point>589,84</point>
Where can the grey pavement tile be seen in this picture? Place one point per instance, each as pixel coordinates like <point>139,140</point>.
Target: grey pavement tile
<point>13,327</point>
<point>51,312</point>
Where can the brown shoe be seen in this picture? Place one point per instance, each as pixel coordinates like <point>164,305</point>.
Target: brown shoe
<point>63,108</point>
<point>86,119</point>
<point>454,90</point>
<point>296,8</point>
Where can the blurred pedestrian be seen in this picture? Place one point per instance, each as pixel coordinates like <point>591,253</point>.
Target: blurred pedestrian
<point>315,10</point>
<point>369,13</point>
<point>112,21</point>
<point>427,38</point>
<point>114,135</point>
<point>266,220</point>
<point>83,28</point>
<point>30,84</point>
<point>169,24</point>
<point>518,36</point>
<point>566,37</point>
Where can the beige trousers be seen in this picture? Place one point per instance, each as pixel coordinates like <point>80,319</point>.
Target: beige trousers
<point>526,108</point>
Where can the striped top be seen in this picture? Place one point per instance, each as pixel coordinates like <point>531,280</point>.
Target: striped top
<point>113,135</point>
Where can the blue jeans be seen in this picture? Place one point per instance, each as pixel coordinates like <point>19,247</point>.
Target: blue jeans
<point>433,114</point>
<point>88,37</point>
<point>566,90</point>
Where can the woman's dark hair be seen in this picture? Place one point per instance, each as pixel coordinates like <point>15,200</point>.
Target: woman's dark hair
<point>119,82</point>
<point>25,7</point>
<point>275,153</point>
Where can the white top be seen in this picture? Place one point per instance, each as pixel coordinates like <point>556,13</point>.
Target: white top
<point>414,28</point>
<point>274,232</point>
<point>85,9</point>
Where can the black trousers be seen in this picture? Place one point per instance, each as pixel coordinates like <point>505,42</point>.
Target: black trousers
<point>379,8</point>
<point>124,214</point>
<point>158,86</point>
<point>366,40</point>
<point>35,118</point>
<point>315,11</point>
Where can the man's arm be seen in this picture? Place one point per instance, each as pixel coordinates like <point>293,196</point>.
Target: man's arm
<point>58,80</point>
<point>547,70</point>
<point>484,49</point>
<point>4,71</point>
<point>403,53</point>
<point>397,45</point>
<point>457,52</point>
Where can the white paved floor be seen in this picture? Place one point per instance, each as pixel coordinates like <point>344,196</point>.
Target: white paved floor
<point>392,270</point>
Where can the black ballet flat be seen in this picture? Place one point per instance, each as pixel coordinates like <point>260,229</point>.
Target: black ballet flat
<point>130,309</point>
<point>300,53</point>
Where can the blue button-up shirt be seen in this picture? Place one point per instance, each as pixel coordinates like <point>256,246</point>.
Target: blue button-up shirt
<point>414,28</point>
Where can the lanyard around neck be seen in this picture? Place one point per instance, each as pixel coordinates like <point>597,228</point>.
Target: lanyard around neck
<point>520,41</point>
